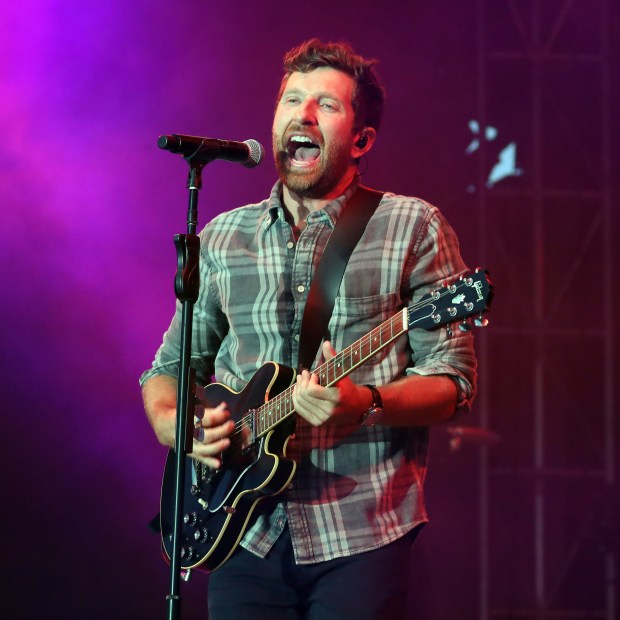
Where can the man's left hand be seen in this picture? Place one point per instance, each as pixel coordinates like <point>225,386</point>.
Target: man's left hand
<point>343,403</point>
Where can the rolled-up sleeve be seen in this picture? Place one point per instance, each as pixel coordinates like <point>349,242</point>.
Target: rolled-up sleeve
<point>208,330</point>
<point>435,259</point>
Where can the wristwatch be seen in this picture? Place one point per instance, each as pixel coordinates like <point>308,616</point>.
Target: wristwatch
<point>375,411</point>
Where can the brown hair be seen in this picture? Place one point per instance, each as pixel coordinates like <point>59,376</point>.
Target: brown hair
<point>368,94</point>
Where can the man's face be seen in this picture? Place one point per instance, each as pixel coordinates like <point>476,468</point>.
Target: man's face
<point>313,131</point>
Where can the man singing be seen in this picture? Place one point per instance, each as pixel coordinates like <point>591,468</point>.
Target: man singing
<point>337,542</point>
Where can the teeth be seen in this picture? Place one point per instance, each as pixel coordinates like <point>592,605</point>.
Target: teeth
<point>296,142</point>
<point>301,139</point>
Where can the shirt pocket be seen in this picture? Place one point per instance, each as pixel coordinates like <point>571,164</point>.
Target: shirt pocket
<point>354,317</point>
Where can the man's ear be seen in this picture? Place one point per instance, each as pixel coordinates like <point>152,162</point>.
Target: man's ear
<point>364,141</point>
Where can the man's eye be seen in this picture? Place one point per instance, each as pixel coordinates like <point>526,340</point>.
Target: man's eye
<point>328,105</point>
<point>291,100</point>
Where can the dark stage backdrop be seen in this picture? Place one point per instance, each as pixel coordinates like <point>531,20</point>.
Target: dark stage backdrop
<point>89,209</point>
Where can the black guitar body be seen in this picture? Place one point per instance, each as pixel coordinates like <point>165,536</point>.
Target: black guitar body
<point>218,504</point>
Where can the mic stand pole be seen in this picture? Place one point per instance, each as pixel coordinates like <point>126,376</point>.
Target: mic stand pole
<point>186,286</point>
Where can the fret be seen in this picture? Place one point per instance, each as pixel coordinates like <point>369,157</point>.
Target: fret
<point>375,340</point>
<point>386,333</point>
<point>330,372</point>
<point>366,347</point>
<point>341,365</point>
<point>261,422</point>
<point>269,411</point>
<point>266,408</point>
<point>354,357</point>
<point>290,408</point>
<point>338,367</point>
<point>348,363</point>
<point>278,415</point>
<point>274,411</point>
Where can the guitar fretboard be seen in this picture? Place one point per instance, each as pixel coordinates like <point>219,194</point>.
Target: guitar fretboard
<point>462,299</point>
<point>330,372</point>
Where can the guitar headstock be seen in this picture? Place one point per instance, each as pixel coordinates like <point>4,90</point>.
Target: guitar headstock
<point>469,296</point>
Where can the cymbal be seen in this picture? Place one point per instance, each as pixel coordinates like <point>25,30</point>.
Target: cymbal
<point>471,435</point>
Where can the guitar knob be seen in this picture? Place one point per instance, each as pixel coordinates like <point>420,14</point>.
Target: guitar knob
<point>191,518</point>
<point>187,553</point>
<point>464,326</point>
<point>202,535</point>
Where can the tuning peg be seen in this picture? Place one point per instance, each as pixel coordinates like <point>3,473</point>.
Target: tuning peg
<point>481,321</point>
<point>464,326</point>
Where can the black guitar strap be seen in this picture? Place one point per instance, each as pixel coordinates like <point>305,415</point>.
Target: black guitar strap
<point>329,272</point>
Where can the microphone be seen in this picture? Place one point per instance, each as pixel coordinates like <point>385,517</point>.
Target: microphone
<point>249,153</point>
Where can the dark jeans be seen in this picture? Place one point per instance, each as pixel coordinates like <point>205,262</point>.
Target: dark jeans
<point>365,586</point>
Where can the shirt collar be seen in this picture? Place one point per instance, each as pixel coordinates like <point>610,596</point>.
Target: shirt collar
<point>333,209</point>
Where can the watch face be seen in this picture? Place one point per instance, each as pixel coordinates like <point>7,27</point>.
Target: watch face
<point>372,416</point>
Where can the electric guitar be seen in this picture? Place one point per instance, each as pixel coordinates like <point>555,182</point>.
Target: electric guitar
<point>219,503</point>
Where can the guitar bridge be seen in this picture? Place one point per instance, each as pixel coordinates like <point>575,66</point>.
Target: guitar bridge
<point>203,472</point>
<point>210,474</point>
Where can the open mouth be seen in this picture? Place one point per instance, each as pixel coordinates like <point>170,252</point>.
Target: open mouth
<point>302,151</point>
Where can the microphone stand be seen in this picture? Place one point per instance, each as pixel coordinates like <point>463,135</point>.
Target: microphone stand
<point>186,286</point>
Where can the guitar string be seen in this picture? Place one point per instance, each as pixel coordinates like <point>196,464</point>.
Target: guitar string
<point>366,339</point>
<point>328,366</point>
<point>325,369</point>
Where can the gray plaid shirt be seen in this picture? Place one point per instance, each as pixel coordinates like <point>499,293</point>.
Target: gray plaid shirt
<point>358,488</point>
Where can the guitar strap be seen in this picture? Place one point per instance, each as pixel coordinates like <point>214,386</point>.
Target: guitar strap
<point>329,272</point>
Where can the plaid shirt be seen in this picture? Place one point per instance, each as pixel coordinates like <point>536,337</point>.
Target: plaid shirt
<point>358,488</point>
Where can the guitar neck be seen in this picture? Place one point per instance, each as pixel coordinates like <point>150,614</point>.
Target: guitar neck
<point>469,296</point>
<point>280,407</point>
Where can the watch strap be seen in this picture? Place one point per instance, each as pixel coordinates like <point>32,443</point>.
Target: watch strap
<point>373,413</point>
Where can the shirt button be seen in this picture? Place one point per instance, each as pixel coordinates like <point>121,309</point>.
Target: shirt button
<point>297,337</point>
<point>301,288</point>
<point>290,245</point>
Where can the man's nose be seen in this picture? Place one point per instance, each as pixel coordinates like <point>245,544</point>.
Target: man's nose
<point>306,112</point>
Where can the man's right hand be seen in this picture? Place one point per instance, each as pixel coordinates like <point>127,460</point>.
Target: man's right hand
<point>212,431</point>
<point>211,435</point>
